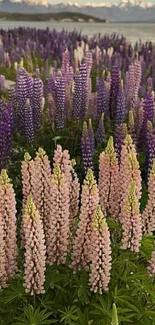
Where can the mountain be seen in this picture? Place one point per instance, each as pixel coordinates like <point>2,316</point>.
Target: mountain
<point>125,10</point>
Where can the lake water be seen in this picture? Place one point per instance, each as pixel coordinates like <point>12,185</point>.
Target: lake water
<point>133,32</point>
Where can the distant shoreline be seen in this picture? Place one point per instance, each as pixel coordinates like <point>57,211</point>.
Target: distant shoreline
<point>47,17</point>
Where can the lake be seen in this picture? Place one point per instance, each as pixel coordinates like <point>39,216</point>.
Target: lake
<point>132,31</point>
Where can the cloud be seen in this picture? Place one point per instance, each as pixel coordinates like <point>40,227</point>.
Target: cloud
<point>33,2</point>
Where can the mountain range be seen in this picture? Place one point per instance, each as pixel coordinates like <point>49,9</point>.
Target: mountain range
<point>125,10</point>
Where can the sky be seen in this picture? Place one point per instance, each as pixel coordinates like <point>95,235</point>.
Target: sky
<point>80,1</point>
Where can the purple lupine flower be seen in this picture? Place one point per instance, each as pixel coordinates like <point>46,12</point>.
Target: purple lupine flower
<point>101,97</point>
<point>120,107</point>
<point>60,102</point>
<point>28,121</point>
<point>37,103</point>
<point>86,148</point>
<point>91,136</point>
<point>100,133</point>
<point>150,146</point>
<point>21,87</point>
<point>77,98</point>
<point>114,89</point>
<point>83,72</point>
<point>6,130</point>
<point>148,114</point>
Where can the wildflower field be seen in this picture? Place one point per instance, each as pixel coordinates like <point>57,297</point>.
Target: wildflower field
<point>77,179</point>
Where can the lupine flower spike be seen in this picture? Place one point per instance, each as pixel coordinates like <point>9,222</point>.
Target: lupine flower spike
<point>148,215</point>
<point>8,245</point>
<point>35,250</point>
<point>57,229</point>
<point>131,220</point>
<point>82,242</point>
<point>109,180</point>
<point>101,253</point>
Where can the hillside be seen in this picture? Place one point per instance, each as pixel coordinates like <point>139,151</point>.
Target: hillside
<point>62,16</point>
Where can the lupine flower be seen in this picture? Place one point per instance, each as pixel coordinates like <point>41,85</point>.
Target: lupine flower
<point>131,126</point>
<point>120,135</point>
<point>8,247</point>
<point>60,102</point>
<point>109,181</point>
<point>37,103</point>
<point>6,131</point>
<point>74,196</point>
<point>131,220</point>
<point>151,266</point>
<point>114,89</point>
<point>83,73</point>
<point>148,215</point>
<point>101,253</point>
<point>120,107</point>
<point>81,255</point>
<point>77,99</point>
<point>42,184</point>
<point>100,132</point>
<point>57,229</point>
<point>129,168</point>
<point>35,250</point>
<point>62,158</point>
<point>101,98</point>
<point>87,155</point>
<point>28,122</point>
<point>150,146</point>
<point>91,135</point>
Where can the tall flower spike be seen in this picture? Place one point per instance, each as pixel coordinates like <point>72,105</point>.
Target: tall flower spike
<point>101,253</point>
<point>120,135</point>
<point>109,180</point>
<point>100,133</point>
<point>86,147</point>
<point>35,250</point>
<point>131,220</point>
<point>42,184</point>
<point>81,255</point>
<point>148,215</point>
<point>8,247</point>
<point>129,168</point>
<point>91,135</point>
<point>131,126</point>
<point>62,158</point>
<point>151,266</point>
<point>57,230</point>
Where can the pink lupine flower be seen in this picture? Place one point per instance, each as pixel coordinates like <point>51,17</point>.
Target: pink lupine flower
<point>57,228</point>
<point>109,180</point>
<point>62,158</point>
<point>35,250</point>
<point>74,196</point>
<point>8,241</point>
<point>148,215</point>
<point>151,266</point>
<point>131,220</point>
<point>42,184</point>
<point>129,168</point>
<point>89,201</point>
<point>28,176</point>
<point>101,254</point>
<point>131,126</point>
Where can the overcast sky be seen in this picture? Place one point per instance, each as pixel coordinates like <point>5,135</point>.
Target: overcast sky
<point>94,1</point>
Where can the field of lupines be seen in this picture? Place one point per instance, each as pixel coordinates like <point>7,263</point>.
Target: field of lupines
<point>77,179</point>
